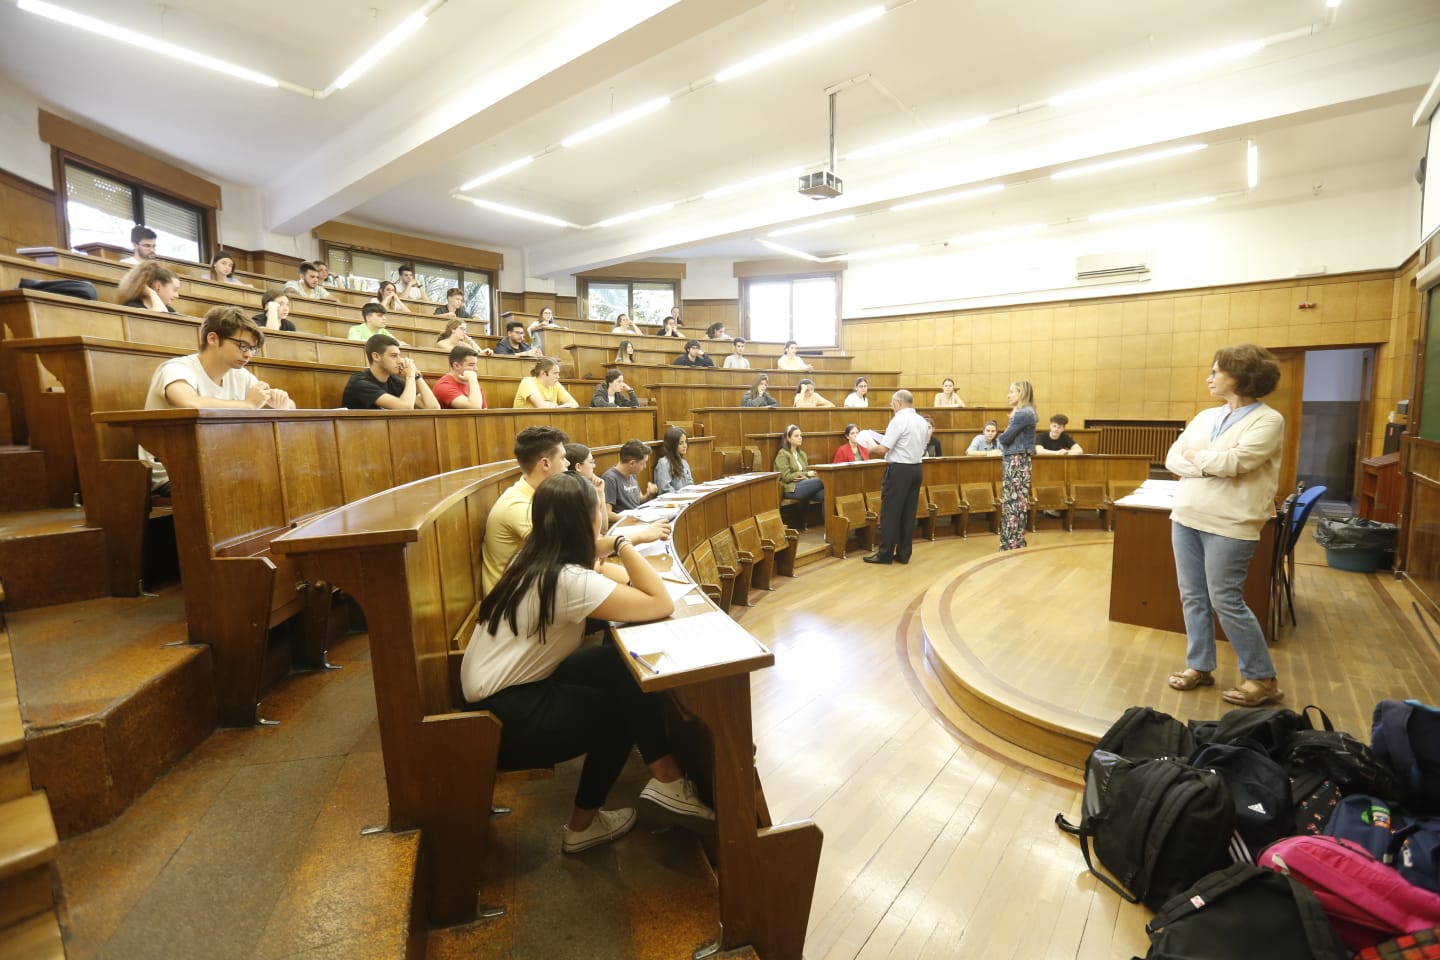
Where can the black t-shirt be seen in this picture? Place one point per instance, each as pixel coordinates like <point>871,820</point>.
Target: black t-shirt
<point>363,390</point>
<point>1065,442</point>
<point>260,319</point>
<point>684,361</point>
<point>461,314</point>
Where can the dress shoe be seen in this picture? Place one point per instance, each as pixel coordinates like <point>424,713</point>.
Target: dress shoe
<point>876,558</point>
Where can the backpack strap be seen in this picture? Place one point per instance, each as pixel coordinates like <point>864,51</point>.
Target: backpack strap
<point>1174,799</point>
<point>1083,835</point>
<point>1319,932</point>
<point>1201,894</point>
<point>1324,719</point>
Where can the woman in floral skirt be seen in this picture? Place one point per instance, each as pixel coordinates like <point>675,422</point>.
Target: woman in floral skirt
<point>1017,446</point>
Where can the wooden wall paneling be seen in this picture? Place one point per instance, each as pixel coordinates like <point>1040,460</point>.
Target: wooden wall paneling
<point>28,214</point>
<point>365,465</point>
<point>413,453</point>
<point>458,568</point>
<point>309,447</point>
<point>244,458</point>
<point>456,443</point>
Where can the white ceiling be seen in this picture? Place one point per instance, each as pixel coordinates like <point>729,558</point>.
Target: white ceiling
<point>484,82</point>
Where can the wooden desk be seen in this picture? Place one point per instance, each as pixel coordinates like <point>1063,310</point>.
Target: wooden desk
<point>1143,590</point>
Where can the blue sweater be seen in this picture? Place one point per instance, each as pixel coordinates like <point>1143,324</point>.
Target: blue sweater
<point>1019,435</point>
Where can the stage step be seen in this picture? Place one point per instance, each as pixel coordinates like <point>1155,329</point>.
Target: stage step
<point>28,846</point>
<point>35,939</point>
<point>22,478</point>
<point>108,705</point>
<point>50,557</point>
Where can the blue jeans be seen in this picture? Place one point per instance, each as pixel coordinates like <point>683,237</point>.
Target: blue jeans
<point>808,489</point>
<point>1210,571</point>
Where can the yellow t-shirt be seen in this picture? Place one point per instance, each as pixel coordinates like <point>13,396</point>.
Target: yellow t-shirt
<point>506,528</point>
<point>555,393</point>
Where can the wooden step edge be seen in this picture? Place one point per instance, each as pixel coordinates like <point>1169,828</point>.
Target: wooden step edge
<point>37,938</point>
<point>27,834</point>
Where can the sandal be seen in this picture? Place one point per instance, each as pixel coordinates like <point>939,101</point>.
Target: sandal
<point>1255,692</point>
<point>1190,678</point>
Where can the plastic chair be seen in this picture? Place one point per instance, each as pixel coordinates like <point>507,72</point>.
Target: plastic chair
<point>1305,501</point>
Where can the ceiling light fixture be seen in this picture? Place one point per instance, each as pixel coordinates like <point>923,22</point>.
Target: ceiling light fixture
<point>802,42</point>
<point>1003,234</point>
<point>784,175</point>
<point>1252,165</point>
<point>376,53</point>
<point>791,251</point>
<point>1141,78</point>
<point>498,172</point>
<point>516,212</point>
<point>1127,161</point>
<point>876,253</point>
<point>946,198</point>
<point>636,214</point>
<point>619,120</point>
<point>1332,4</point>
<point>149,44</point>
<point>916,139</point>
<point>812,225</point>
<point>1154,208</point>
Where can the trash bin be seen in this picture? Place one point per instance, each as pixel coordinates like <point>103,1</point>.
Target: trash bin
<point>1354,543</point>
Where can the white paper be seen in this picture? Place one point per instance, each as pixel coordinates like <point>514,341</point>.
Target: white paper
<point>690,642</point>
<point>678,589</point>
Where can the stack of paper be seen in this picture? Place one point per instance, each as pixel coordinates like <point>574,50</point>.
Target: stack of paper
<point>690,642</point>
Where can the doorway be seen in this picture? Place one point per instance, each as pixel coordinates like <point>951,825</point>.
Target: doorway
<point>1334,419</point>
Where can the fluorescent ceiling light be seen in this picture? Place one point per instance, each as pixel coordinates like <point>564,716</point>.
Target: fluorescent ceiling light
<point>517,212</point>
<point>1002,234</point>
<point>754,182</point>
<point>803,42</point>
<point>946,198</point>
<point>620,119</point>
<point>916,139</point>
<point>813,225</point>
<point>387,43</point>
<point>790,251</point>
<point>1132,81</point>
<point>149,44</point>
<point>1137,211</point>
<point>636,214</point>
<point>1252,165</point>
<point>1332,4</point>
<point>498,172</point>
<point>1126,161</point>
<point>879,252</point>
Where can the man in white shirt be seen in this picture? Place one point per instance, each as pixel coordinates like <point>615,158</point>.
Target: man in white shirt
<point>408,287</point>
<point>903,447</point>
<point>308,285</point>
<point>142,241</point>
<point>214,377</point>
<point>737,360</point>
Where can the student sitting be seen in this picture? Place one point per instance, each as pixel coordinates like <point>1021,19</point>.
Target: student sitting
<point>388,296</point>
<point>1057,440</point>
<point>222,270</point>
<point>543,388</point>
<point>694,356</point>
<point>372,321</point>
<point>390,382</point>
<point>556,699</point>
<point>460,388</point>
<point>454,305</point>
<point>149,286</point>
<point>759,393</point>
<point>407,286</point>
<point>791,360</point>
<point>985,444</point>
<point>623,324</point>
<point>457,334</point>
<point>672,470</point>
<point>537,328</point>
<point>716,331</point>
<point>947,397</point>
<point>308,285</point>
<point>860,396</point>
<point>672,328</point>
<point>851,451</point>
<point>625,352</point>
<point>737,360</point>
<point>797,480</point>
<point>142,242</point>
<point>805,395</point>
<point>932,442</point>
<point>622,489</point>
<point>274,311</point>
<point>515,344</point>
<point>614,392</point>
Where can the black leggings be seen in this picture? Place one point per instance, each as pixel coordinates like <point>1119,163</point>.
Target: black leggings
<point>590,705</point>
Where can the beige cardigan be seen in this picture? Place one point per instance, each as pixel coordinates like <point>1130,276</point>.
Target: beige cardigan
<point>1230,487</point>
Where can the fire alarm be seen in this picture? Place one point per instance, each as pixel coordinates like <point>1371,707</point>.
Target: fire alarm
<point>1307,305</point>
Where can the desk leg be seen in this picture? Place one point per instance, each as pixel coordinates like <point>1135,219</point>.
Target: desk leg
<point>767,874</point>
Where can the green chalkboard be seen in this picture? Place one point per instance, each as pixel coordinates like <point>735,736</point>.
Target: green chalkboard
<point>1430,385</point>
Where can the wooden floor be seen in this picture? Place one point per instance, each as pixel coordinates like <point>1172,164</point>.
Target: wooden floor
<point>939,839</point>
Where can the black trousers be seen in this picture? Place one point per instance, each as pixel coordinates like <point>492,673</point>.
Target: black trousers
<point>590,705</point>
<point>899,495</point>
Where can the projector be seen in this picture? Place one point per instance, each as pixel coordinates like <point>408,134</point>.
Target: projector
<point>821,185</point>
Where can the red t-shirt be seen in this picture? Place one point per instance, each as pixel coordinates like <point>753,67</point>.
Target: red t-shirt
<point>447,388</point>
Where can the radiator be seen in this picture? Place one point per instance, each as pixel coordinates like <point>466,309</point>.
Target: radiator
<point>1152,442</point>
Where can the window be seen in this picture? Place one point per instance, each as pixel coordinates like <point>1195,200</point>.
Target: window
<point>804,309</point>
<point>647,301</point>
<point>104,209</point>
<point>361,270</point>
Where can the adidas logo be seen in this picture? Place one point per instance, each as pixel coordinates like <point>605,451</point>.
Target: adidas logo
<point>1259,808</point>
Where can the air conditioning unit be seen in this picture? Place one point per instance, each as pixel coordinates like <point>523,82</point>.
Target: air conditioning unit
<point>1121,264</point>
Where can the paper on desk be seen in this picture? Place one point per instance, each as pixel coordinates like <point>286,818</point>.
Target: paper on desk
<point>652,549</point>
<point>678,589</point>
<point>690,642</point>
<point>649,514</point>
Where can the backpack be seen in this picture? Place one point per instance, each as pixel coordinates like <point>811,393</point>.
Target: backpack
<point>80,289</point>
<point>1260,790</point>
<point>1411,845</point>
<point>1157,825</point>
<point>1313,756</point>
<point>1419,945</point>
<point>1243,911</point>
<point>1269,727</point>
<point>1418,856</point>
<point>1366,901</point>
<point>1405,736</point>
<point>1143,733</point>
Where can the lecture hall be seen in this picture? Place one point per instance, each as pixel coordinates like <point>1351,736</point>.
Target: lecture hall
<point>348,352</point>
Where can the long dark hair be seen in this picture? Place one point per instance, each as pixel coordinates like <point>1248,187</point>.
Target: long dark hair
<point>563,533</point>
<point>671,444</point>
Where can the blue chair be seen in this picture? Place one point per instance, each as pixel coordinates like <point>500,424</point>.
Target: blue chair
<point>1305,501</point>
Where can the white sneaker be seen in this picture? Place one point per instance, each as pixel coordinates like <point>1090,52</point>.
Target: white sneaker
<point>677,797</point>
<point>608,825</point>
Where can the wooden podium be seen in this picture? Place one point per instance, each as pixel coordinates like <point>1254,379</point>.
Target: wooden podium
<point>1143,590</point>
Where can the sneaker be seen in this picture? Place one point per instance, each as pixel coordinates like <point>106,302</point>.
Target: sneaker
<point>608,825</point>
<point>677,797</point>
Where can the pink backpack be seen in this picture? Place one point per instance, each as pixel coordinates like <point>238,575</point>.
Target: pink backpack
<point>1366,901</point>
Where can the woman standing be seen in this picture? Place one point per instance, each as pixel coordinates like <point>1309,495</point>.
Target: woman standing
<point>1228,461</point>
<point>556,699</point>
<point>759,394</point>
<point>859,397</point>
<point>798,480</point>
<point>805,395</point>
<point>672,470</point>
<point>850,451</point>
<point>947,397</point>
<point>1017,446</point>
<point>388,298</point>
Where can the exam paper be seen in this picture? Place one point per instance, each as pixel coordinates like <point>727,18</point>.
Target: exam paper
<point>691,642</point>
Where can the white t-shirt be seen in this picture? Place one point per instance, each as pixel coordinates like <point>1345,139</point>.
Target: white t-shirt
<point>234,385</point>
<point>736,362</point>
<point>506,659</point>
<point>855,400</point>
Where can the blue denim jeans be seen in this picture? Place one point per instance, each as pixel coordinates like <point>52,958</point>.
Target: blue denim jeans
<point>1210,570</point>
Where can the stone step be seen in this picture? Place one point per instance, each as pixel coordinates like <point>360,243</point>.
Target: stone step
<point>49,557</point>
<point>28,847</point>
<point>22,478</point>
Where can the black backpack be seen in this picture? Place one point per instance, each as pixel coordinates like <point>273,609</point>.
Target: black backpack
<point>80,289</point>
<point>1405,736</point>
<point>1157,825</point>
<point>1312,757</point>
<point>1142,733</point>
<point>1261,791</point>
<point>1268,727</point>
<point>1244,911</point>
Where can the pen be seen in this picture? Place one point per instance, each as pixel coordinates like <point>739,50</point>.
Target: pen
<point>644,663</point>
